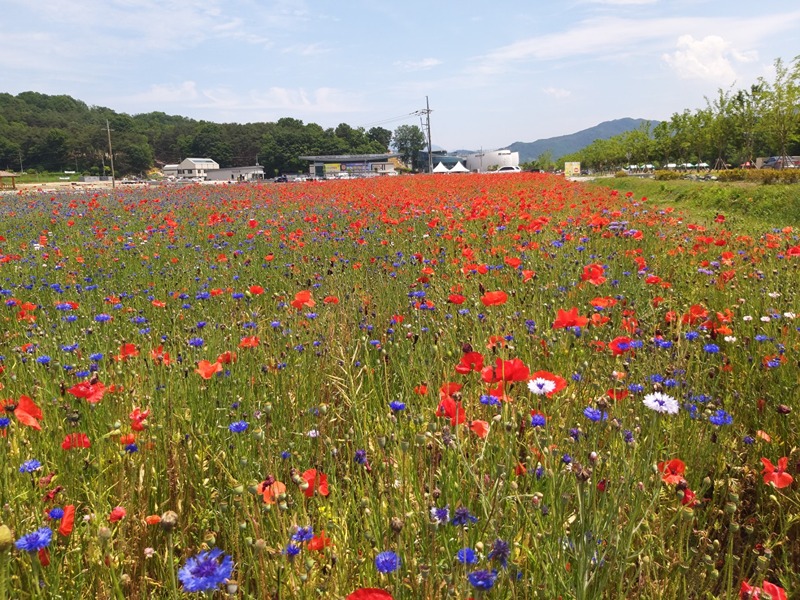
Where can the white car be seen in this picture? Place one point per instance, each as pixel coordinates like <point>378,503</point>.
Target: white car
<point>509,169</point>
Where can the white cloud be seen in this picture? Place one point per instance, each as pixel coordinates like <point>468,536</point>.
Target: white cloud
<point>557,93</point>
<point>708,59</point>
<point>167,93</point>
<point>418,65</point>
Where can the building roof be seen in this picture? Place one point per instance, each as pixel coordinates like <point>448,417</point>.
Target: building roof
<point>349,157</point>
<point>202,160</point>
<point>7,174</point>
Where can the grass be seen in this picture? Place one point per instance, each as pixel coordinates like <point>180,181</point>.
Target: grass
<point>382,334</point>
<point>755,204</point>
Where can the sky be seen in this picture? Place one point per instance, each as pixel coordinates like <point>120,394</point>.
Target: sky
<point>493,72</point>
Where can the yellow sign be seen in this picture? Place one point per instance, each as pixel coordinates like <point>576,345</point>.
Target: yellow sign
<point>572,169</point>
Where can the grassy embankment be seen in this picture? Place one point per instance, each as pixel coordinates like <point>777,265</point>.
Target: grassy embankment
<point>752,203</point>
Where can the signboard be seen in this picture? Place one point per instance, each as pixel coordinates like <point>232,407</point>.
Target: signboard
<point>572,169</point>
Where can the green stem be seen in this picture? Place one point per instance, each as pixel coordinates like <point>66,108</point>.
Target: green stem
<point>173,583</point>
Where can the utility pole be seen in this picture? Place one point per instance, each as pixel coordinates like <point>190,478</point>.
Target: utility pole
<point>426,112</point>
<point>111,154</point>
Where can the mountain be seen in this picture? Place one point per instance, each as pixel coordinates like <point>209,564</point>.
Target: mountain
<point>567,144</point>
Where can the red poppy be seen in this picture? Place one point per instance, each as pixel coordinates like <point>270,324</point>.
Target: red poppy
<point>689,498</point>
<point>603,302</point>
<point>777,476</point>
<point>767,591</point>
<point>620,345</point>
<point>505,370</point>
<point>569,318</point>
<point>794,252</point>
<point>159,356</point>
<point>302,299</point>
<point>117,514</point>
<point>672,471</point>
<point>330,300</point>
<point>271,492</point>
<point>617,394</point>
<point>138,418</point>
<point>127,351</point>
<point>158,303</point>
<point>249,342</point>
<point>421,389</point>
<point>226,358</point>
<point>527,275</point>
<point>256,290</point>
<point>369,594</point>
<point>26,411</point>
<point>76,440</point>
<point>479,428</point>
<point>470,361</point>
<point>697,313</point>
<point>451,409</point>
<point>316,482</point>
<point>67,521</point>
<point>91,392</point>
<point>594,274</point>
<point>456,299</point>
<point>494,298</point>
<point>319,542</point>
<point>207,369</point>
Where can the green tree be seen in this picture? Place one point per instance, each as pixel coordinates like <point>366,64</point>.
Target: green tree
<point>381,136</point>
<point>781,115</point>
<point>407,141</point>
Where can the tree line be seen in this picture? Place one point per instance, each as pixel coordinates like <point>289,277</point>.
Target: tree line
<point>735,127</point>
<point>56,133</point>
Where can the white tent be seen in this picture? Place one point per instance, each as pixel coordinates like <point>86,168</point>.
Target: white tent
<point>440,168</point>
<point>672,166</point>
<point>459,168</point>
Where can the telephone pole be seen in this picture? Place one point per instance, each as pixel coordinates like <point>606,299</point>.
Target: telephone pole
<point>111,154</point>
<point>426,112</point>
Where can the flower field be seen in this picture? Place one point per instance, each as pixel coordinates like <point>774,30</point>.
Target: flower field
<point>413,387</point>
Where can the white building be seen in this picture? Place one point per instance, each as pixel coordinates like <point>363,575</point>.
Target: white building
<point>170,171</point>
<point>490,159</point>
<point>235,174</point>
<point>196,168</point>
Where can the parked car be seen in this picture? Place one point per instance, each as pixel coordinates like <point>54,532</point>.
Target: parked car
<point>509,169</point>
<point>281,179</point>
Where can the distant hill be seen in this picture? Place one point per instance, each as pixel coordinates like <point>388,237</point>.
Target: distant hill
<point>567,144</point>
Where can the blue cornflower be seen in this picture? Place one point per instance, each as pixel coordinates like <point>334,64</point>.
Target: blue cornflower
<point>711,348</point>
<point>360,457</point>
<point>466,556</point>
<point>29,466</point>
<point>196,342</point>
<point>56,513</point>
<point>33,542</point>
<point>238,427</point>
<point>397,406</point>
<point>635,388</point>
<point>131,448</point>
<point>286,455</point>
<point>440,516</point>
<point>594,414</point>
<point>43,360</point>
<point>387,561</point>
<point>538,420</point>
<point>206,571</point>
<point>691,335</point>
<point>96,357</point>
<point>4,422</point>
<point>102,318</point>
<point>482,579</point>
<point>720,418</point>
<point>291,550</point>
<point>749,440</point>
<point>489,400</point>
<point>627,435</point>
<point>462,516</point>
<point>303,534</point>
<point>566,459</point>
<point>500,552</point>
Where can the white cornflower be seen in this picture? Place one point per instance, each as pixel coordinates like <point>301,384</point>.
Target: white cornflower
<point>747,318</point>
<point>765,319</point>
<point>730,338</point>
<point>789,315</point>
<point>541,386</point>
<point>661,403</point>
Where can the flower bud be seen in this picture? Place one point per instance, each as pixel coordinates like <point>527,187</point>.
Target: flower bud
<point>169,520</point>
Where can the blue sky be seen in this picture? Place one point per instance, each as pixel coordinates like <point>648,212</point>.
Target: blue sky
<point>495,72</point>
